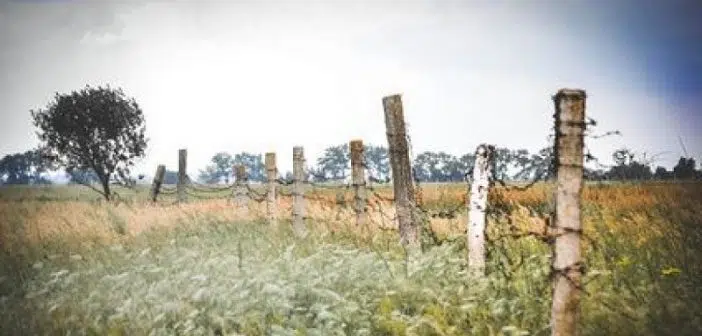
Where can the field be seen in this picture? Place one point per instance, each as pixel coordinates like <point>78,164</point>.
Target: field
<point>71,263</point>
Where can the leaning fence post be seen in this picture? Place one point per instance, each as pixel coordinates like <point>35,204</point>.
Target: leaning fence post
<point>240,190</point>
<point>359,181</point>
<point>298,209</point>
<point>567,228</point>
<point>271,175</point>
<point>158,180</point>
<point>398,149</point>
<point>182,175</point>
<point>477,220</point>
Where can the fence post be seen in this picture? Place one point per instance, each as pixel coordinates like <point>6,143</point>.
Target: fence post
<point>240,190</point>
<point>567,263</point>
<point>182,175</point>
<point>477,221</point>
<point>298,209</point>
<point>158,180</point>
<point>401,170</point>
<point>359,181</point>
<point>271,175</point>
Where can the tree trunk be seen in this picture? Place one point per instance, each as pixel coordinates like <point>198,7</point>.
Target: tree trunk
<point>106,187</point>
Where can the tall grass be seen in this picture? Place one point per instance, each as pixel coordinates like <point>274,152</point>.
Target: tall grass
<point>74,265</point>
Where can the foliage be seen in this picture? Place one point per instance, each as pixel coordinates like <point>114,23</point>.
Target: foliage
<point>685,169</point>
<point>24,168</point>
<point>97,129</point>
<point>220,169</point>
<point>335,162</point>
<point>377,162</point>
<point>82,267</point>
<point>83,176</point>
<point>438,167</point>
<point>255,168</point>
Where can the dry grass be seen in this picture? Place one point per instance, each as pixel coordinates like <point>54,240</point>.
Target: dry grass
<point>38,222</point>
<point>74,264</point>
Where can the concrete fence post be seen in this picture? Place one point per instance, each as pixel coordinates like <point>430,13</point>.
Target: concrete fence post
<point>567,227</point>
<point>298,209</point>
<point>271,175</point>
<point>158,181</point>
<point>398,148</point>
<point>182,176</point>
<point>358,181</point>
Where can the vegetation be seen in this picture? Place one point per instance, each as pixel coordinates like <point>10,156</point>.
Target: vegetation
<point>23,168</point>
<point>74,264</point>
<point>510,165</point>
<point>71,263</point>
<point>97,130</point>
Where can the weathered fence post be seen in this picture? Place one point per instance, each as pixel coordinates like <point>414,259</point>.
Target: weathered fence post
<point>241,191</point>
<point>567,263</point>
<point>298,209</point>
<point>158,180</point>
<point>401,170</point>
<point>359,181</point>
<point>271,175</point>
<point>477,221</point>
<point>182,175</point>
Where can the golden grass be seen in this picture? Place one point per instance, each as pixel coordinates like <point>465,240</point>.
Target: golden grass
<point>39,222</point>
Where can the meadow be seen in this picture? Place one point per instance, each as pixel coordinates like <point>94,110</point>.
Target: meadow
<point>72,264</point>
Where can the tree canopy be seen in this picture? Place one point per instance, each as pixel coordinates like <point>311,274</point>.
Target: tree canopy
<point>97,129</point>
<point>24,168</point>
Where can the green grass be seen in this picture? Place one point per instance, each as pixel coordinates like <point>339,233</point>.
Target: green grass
<point>228,278</point>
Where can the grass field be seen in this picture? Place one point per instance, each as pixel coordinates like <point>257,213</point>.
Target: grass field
<point>71,263</point>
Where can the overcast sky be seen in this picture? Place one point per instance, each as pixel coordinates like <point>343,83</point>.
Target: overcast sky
<point>264,76</point>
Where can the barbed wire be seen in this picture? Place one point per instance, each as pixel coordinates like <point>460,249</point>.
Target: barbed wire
<point>205,187</point>
<point>498,209</point>
<point>198,196</point>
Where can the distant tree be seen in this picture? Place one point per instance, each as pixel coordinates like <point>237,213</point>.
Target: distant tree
<point>24,168</point>
<point>503,161</point>
<point>685,169</point>
<point>335,162</point>
<point>455,168</point>
<point>94,128</point>
<point>623,157</point>
<point>422,166</point>
<point>208,175</point>
<point>438,167</point>
<point>223,164</point>
<point>594,174</point>
<point>83,176</point>
<point>316,174</point>
<point>534,166</point>
<point>255,168</point>
<point>377,162</point>
<point>465,164</point>
<point>627,167</point>
<point>520,161</point>
<point>662,174</point>
<point>221,167</point>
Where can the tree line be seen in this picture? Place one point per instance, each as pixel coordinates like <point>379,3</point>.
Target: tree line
<point>509,165</point>
<point>335,165</point>
<point>95,135</point>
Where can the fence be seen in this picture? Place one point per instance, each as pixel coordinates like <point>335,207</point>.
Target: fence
<point>563,229</point>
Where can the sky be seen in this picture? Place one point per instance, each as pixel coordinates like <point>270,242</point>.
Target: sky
<point>261,76</point>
